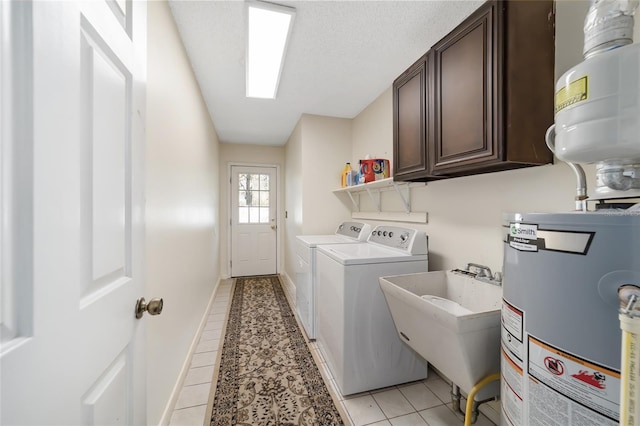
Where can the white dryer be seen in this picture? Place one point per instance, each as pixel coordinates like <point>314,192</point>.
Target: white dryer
<point>356,333</point>
<point>347,233</point>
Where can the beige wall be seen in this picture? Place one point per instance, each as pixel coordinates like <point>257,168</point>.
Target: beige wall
<point>247,155</point>
<point>375,140</point>
<point>465,214</point>
<point>182,204</point>
<point>326,148</point>
<point>316,153</point>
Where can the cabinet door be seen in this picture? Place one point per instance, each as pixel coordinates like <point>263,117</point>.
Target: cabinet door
<point>466,93</point>
<point>410,122</point>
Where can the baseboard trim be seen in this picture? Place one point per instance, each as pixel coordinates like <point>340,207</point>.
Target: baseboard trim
<point>289,289</point>
<point>177,388</point>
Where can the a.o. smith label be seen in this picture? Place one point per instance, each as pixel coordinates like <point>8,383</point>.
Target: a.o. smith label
<point>523,236</point>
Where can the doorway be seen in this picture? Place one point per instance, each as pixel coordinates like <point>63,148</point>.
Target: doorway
<point>254,225</point>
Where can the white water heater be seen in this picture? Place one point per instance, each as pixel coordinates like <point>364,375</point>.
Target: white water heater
<point>561,334</point>
<point>561,352</point>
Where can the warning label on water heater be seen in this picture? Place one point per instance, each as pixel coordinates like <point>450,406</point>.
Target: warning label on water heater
<point>511,335</point>
<point>523,236</point>
<point>570,390</point>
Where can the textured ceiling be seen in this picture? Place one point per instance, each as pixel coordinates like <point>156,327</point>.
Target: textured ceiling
<point>342,55</point>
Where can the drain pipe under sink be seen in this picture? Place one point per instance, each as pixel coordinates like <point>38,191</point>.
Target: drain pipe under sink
<point>470,415</point>
<point>455,403</point>
<point>471,410</point>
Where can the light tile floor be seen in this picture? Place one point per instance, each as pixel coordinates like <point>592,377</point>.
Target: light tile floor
<point>425,402</point>
<point>192,402</point>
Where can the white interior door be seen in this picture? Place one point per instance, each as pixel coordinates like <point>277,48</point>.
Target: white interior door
<point>73,76</point>
<point>253,221</point>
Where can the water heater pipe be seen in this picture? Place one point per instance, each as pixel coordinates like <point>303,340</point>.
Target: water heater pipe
<point>482,383</point>
<point>616,177</point>
<point>608,25</point>
<point>581,178</point>
<point>629,315</point>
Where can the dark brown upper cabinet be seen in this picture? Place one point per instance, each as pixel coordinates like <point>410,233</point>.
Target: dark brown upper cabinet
<point>411,122</point>
<point>482,98</point>
<point>493,90</point>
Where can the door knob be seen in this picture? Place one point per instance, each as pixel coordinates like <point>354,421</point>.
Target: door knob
<point>154,307</point>
<point>273,227</point>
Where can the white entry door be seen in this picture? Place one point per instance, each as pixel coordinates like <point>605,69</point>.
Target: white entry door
<point>253,221</point>
<point>72,118</point>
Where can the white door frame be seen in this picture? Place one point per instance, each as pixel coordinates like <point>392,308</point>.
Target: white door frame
<point>278,210</point>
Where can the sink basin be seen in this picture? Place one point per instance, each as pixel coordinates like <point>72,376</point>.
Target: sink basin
<point>452,320</point>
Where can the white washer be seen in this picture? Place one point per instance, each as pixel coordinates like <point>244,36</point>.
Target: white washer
<point>347,233</point>
<point>356,333</point>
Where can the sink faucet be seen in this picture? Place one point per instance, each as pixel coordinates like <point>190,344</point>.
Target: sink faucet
<point>483,273</point>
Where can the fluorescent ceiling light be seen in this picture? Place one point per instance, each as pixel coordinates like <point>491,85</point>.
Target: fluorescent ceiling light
<point>269,26</point>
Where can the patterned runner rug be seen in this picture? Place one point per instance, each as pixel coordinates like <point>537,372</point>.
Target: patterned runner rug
<point>267,374</point>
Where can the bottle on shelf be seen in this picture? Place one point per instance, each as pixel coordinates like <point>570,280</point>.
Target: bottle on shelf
<point>347,175</point>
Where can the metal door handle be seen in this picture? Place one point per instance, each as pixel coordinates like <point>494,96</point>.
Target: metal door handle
<point>154,307</point>
<point>273,227</point>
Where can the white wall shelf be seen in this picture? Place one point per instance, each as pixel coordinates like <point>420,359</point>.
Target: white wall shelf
<point>374,189</point>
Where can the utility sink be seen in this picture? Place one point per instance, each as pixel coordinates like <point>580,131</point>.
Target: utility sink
<point>451,319</point>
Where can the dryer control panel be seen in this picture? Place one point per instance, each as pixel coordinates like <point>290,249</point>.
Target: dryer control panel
<point>408,240</point>
<point>355,230</point>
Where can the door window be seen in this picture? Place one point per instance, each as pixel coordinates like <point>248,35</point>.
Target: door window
<point>253,198</point>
